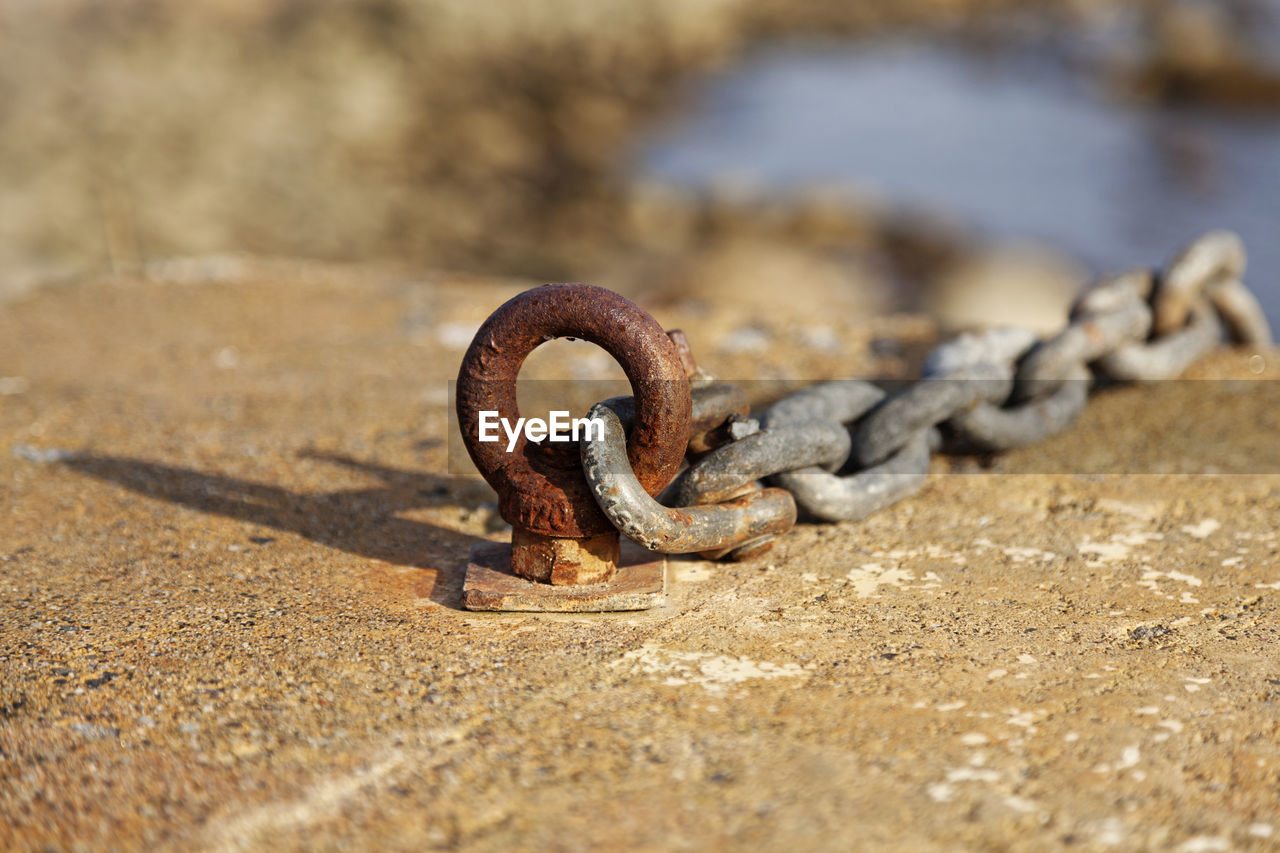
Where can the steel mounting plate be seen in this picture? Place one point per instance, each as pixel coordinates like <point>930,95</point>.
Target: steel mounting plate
<point>639,584</point>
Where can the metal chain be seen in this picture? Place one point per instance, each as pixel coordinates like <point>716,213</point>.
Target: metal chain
<point>842,450</point>
<point>684,530</point>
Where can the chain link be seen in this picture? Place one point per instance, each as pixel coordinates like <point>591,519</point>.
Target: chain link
<point>842,450</point>
<point>682,530</point>
<point>848,491</point>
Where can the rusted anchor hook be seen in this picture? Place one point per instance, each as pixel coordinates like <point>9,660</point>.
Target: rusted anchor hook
<point>560,538</point>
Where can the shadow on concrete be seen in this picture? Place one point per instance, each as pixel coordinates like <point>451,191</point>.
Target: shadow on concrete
<point>365,522</point>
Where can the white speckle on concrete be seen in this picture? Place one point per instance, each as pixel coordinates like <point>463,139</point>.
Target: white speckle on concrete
<point>973,739</point>
<point>1261,830</point>
<point>1204,844</point>
<point>972,774</point>
<point>1111,832</point>
<point>1119,547</point>
<point>711,672</point>
<point>1151,580</point>
<point>1023,719</point>
<point>1020,804</point>
<point>1143,511</point>
<point>1027,555</point>
<point>94,731</point>
<point>10,385</point>
<point>1203,529</point>
<point>1191,580</point>
<point>1128,758</point>
<point>941,792</point>
<point>42,455</point>
<point>1107,552</point>
<point>871,576</point>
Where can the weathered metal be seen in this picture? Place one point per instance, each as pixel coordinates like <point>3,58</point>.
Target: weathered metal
<point>1166,356</point>
<point>1210,268</point>
<point>960,374</point>
<point>540,487</point>
<point>853,494</point>
<point>674,530</point>
<point>560,538</point>
<point>720,415</point>
<point>724,472</point>
<point>840,450</point>
<point>719,410</point>
<point>561,561</point>
<point>1195,304</point>
<point>988,427</point>
<point>1216,258</point>
<point>637,584</point>
<point>1243,314</point>
<point>1112,314</point>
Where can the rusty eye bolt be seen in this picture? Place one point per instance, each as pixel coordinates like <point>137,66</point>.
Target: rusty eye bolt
<point>564,552</point>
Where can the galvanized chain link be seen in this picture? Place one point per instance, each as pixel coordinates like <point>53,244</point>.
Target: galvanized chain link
<point>716,527</point>
<point>849,490</point>
<point>843,450</point>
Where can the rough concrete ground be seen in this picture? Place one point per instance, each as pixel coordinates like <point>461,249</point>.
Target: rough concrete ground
<point>230,619</point>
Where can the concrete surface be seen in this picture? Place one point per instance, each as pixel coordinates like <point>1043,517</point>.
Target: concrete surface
<point>230,561</point>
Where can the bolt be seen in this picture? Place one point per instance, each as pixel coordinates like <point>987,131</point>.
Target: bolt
<point>561,561</point>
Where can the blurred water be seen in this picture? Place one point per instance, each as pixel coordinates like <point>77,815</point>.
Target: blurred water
<point>1011,144</point>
